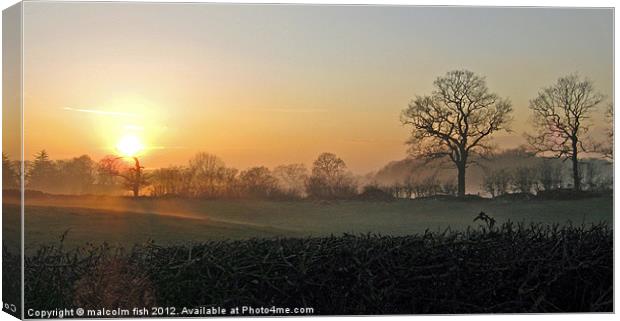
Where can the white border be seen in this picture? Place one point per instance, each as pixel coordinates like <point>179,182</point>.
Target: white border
<point>511,3</point>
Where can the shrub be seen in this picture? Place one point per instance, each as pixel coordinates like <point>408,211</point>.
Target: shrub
<point>509,268</point>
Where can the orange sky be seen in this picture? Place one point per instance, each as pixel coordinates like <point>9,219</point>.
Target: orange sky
<point>267,85</point>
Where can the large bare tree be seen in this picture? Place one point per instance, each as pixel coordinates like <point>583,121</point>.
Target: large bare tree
<point>456,120</point>
<point>561,114</point>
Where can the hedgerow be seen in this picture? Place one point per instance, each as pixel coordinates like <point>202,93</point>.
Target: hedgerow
<point>508,268</point>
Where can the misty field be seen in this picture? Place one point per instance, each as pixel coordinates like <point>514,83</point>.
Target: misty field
<point>337,257</point>
<point>126,221</point>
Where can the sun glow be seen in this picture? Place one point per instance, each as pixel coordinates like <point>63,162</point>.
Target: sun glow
<point>129,145</point>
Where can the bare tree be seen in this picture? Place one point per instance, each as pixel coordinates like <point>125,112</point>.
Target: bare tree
<point>596,175</point>
<point>449,188</point>
<point>607,147</point>
<point>456,120</point>
<point>426,187</point>
<point>171,181</point>
<point>590,175</point>
<point>292,179</point>
<point>330,178</point>
<point>209,173</point>
<point>258,182</point>
<point>549,175</point>
<point>561,114</point>
<point>133,176</point>
<point>523,179</point>
<point>496,182</point>
<point>488,184</point>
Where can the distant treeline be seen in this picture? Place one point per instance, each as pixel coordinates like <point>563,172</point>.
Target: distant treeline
<point>207,176</point>
<point>509,171</point>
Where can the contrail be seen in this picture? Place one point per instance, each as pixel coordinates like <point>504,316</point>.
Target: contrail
<point>296,110</point>
<point>100,112</point>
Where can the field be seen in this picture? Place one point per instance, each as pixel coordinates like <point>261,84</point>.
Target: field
<point>346,257</point>
<point>125,221</point>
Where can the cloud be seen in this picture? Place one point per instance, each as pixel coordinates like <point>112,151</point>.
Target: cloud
<point>373,141</point>
<point>296,110</point>
<point>100,112</point>
<point>166,147</point>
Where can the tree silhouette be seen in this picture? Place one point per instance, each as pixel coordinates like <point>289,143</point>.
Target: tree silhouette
<point>330,178</point>
<point>10,175</point>
<point>133,176</point>
<point>258,182</point>
<point>607,147</point>
<point>76,175</point>
<point>561,114</point>
<point>292,179</point>
<point>456,120</point>
<point>549,174</point>
<point>41,172</point>
<point>496,182</point>
<point>171,181</point>
<point>208,175</point>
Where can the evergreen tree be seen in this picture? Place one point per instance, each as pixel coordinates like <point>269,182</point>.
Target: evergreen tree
<point>10,175</point>
<point>41,173</point>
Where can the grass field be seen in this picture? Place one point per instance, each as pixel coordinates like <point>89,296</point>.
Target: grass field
<point>296,254</point>
<point>125,221</point>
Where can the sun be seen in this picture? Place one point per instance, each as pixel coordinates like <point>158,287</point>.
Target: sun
<point>129,145</point>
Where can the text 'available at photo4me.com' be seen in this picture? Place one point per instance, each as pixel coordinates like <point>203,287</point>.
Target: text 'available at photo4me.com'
<point>203,311</point>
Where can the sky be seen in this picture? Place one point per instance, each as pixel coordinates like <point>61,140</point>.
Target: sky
<point>278,84</point>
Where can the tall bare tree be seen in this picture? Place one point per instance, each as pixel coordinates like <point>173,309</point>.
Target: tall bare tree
<point>133,176</point>
<point>561,114</point>
<point>456,120</point>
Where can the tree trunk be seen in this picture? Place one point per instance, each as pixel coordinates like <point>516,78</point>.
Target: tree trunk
<point>575,161</point>
<point>138,178</point>
<point>461,179</point>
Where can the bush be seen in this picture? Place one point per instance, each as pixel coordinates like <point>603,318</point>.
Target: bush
<point>510,268</point>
